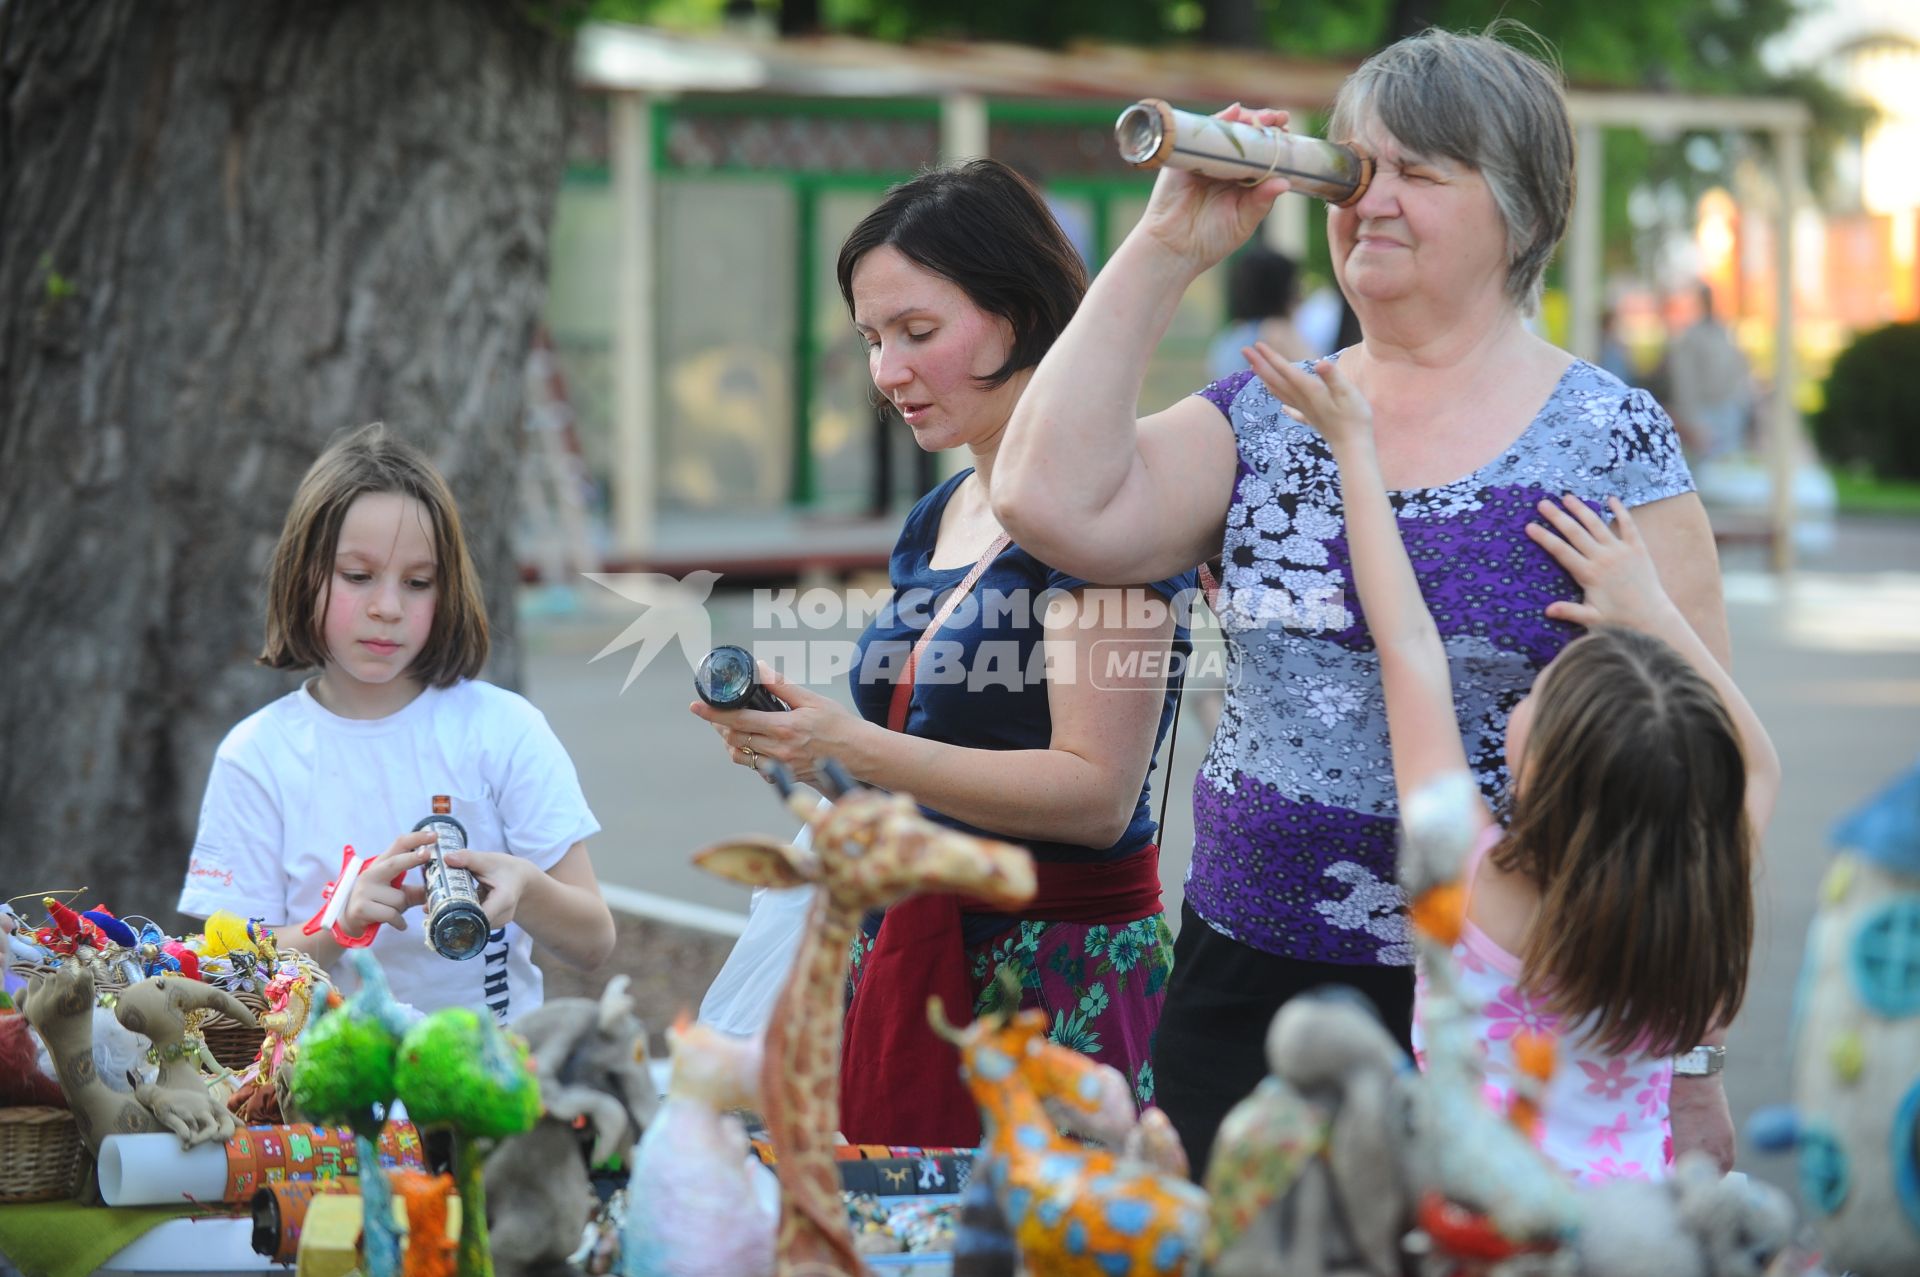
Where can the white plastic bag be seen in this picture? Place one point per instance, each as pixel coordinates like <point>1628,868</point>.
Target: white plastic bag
<point>740,999</point>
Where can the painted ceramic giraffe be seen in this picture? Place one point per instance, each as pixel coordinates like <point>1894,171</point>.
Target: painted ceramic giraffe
<point>1073,1209</point>
<point>870,850</point>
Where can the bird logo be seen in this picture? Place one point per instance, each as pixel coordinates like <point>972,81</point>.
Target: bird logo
<point>671,610</point>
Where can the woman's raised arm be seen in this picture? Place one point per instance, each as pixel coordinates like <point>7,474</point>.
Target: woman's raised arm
<point>1079,480</point>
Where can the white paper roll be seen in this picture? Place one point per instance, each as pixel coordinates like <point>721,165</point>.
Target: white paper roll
<point>153,1170</point>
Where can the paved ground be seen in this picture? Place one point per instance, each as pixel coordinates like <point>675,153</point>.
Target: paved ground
<point>1830,659</point>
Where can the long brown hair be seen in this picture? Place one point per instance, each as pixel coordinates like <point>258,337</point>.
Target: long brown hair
<point>1630,815</point>
<point>371,460</point>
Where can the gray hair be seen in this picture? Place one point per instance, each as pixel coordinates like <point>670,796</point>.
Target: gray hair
<point>1486,104</point>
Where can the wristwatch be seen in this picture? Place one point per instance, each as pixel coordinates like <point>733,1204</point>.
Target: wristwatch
<point>1702,1061</point>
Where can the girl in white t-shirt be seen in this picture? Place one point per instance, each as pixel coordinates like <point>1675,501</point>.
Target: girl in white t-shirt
<point>1614,912</point>
<point>372,585</point>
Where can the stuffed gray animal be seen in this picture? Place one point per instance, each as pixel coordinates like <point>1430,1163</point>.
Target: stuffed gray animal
<point>591,1060</point>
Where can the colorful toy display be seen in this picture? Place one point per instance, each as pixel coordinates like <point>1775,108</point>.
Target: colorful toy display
<point>869,851</point>
<point>1072,1209</point>
<point>597,1095</point>
<point>346,1075</point>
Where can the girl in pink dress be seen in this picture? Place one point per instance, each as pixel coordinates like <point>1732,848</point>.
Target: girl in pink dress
<point>1613,910</point>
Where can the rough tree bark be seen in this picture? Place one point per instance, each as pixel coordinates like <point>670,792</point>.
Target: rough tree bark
<point>233,229</point>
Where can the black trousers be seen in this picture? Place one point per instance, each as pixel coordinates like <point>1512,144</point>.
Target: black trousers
<point>1210,1048</point>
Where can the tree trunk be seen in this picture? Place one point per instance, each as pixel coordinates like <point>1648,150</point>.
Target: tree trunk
<point>233,230</point>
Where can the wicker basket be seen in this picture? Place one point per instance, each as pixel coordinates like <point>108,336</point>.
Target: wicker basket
<point>42,1158</point>
<point>235,1044</point>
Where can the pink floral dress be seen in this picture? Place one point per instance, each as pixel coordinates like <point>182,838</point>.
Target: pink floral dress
<point>1603,1116</point>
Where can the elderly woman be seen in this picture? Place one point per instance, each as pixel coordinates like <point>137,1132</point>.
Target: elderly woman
<point>1009,720</point>
<point>1477,419</point>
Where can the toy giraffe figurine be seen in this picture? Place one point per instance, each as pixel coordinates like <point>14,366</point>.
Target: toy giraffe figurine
<point>870,850</point>
<point>1073,1209</point>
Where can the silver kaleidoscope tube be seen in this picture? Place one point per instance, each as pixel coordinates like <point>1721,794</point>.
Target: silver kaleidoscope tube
<point>1151,133</point>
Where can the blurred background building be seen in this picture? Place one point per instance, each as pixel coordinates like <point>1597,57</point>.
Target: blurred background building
<point>720,409</point>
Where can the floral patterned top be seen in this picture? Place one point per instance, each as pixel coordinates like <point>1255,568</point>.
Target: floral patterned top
<point>1603,1116</point>
<point>1294,811</point>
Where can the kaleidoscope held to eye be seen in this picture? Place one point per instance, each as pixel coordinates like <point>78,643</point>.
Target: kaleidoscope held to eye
<point>1150,133</point>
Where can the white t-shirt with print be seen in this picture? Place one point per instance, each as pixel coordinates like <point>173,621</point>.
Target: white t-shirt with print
<point>294,783</point>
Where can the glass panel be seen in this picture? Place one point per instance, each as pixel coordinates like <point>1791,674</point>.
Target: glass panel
<point>852,444</point>
<point>580,303</point>
<point>726,314</point>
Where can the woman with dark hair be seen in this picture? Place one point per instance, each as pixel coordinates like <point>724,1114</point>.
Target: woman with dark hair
<point>1292,882</point>
<point>1010,699</point>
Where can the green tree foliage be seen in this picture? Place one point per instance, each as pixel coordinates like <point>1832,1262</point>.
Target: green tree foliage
<point>1873,404</point>
<point>1704,46</point>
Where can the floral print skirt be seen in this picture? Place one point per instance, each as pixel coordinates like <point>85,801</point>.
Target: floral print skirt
<point>1100,986</point>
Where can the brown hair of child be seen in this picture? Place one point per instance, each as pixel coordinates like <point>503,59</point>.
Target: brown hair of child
<point>368,461</point>
<point>1629,814</point>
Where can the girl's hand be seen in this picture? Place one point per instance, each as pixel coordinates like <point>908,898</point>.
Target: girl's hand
<point>1610,564</point>
<point>812,729</point>
<point>1323,398</point>
<point>375,899</point>
<point>1202,219</point>
<point>505,878</point>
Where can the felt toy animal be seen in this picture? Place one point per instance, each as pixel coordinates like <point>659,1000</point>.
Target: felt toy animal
<point>1073,1209</point>
<point>59,1004</point>
<point>345,1075</point>
<point>696,1206</point>
<point>870,850</point>
<point>1462,1151</point>
<point>590,1059</point>
<point>430,1252</point>
<point>456,1069</point>
<point>161,1007</point>
<point>1856,1063</point>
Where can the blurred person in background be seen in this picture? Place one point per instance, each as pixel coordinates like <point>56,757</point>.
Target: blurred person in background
<point>1614,355</point>
<point>1709,386</point>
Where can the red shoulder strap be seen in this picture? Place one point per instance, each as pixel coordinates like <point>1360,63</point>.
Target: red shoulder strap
<point>903,690</point>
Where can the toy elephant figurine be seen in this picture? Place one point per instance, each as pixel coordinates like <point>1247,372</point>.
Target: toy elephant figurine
<point>591,1061</point>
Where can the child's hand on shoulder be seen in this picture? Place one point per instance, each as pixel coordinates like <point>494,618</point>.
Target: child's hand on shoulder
<point>1323,398</point>
<point>504,876</point>
<point>1610,564</point>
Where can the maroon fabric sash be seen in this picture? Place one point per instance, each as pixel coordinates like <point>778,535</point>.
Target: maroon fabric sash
<point>899,1083</point>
